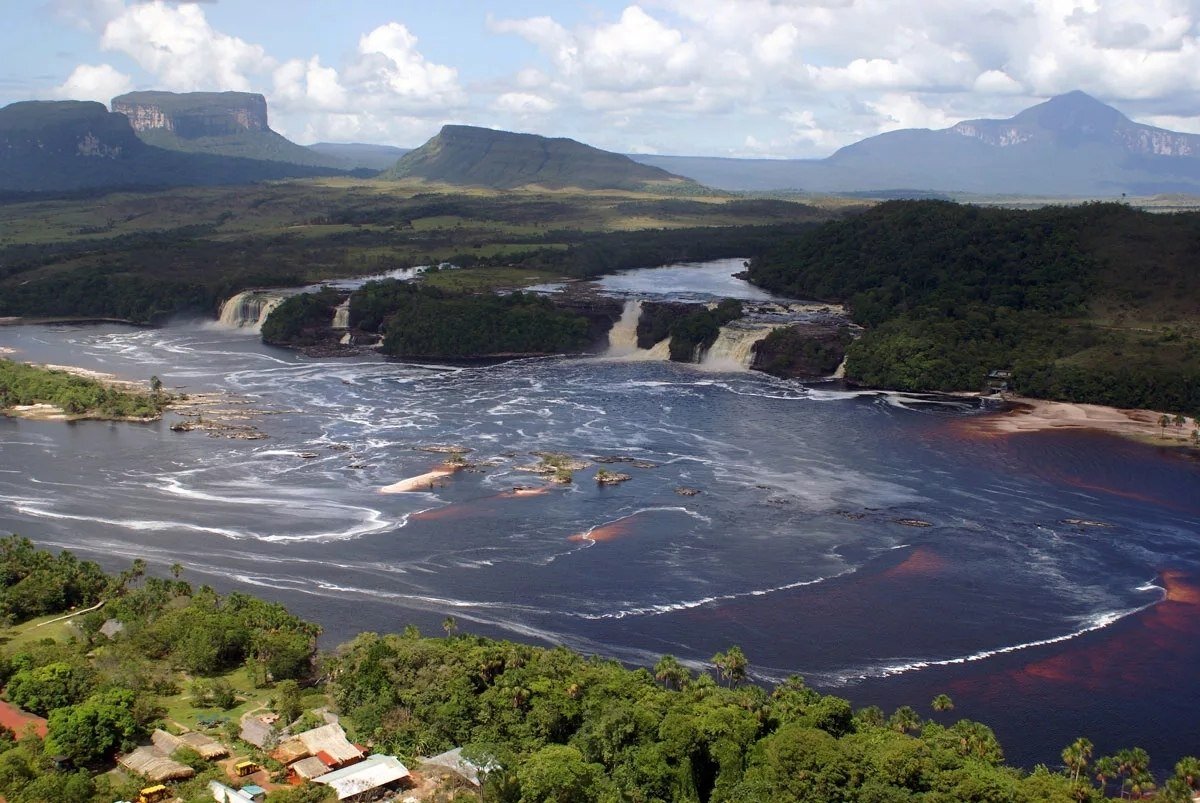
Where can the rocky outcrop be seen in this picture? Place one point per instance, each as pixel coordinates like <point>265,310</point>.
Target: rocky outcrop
<point>48,129</point>
<point>192,115</point>
<point>802,350</point>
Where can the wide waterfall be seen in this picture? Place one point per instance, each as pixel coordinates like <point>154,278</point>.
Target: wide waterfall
<point>733,349</point>
<point>248,309</point>
<point>341,315</point>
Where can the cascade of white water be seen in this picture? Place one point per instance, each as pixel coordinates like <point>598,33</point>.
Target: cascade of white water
<point>622,338</point>
<point>341,315</point>
<point>840,372</point>
<point>248,309</point>
<point>733,349</point>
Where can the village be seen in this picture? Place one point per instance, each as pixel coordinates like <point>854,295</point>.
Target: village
<point>268,756</point>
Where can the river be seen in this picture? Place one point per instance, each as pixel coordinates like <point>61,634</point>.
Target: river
<point>803,545</point>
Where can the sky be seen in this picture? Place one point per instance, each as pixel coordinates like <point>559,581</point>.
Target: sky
<point>744,78</point>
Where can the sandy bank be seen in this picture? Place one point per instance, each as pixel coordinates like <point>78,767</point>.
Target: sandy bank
<point>1039,415</point>
<point>422,482</point>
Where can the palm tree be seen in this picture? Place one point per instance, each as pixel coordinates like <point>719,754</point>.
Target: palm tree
<point>1076,756</point>
<point>1105,769</point>
<point>669,672</point>
<point>176,569</point>
<point>942,703</point>
<point>736,665</point>
<point>1163,421</point>
<point>449,625</point>
<point>904,719</point>
<point>1187,769</point>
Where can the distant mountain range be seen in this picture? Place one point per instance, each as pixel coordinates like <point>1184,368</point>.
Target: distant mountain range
<point>1071,145</point>
<point>484,157</point>
<point>360,155</point>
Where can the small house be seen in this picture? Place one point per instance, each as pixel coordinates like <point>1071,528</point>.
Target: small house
<point>306,769</point>
<point>258,733</point>
<point>154,765</point>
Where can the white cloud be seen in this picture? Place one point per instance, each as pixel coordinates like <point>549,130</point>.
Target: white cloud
<point>176,44</point>
<point>99,82</point>
<point>523,104</point>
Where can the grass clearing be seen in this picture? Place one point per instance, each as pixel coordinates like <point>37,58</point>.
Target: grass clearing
<point>17,637</point>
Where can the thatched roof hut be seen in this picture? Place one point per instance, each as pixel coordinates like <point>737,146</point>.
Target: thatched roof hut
<point>208,748</point>
<point>154,765</point>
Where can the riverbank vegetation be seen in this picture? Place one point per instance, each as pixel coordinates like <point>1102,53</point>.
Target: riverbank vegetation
<point>546,724</point>
<point>78,396</point>
<point>1094,303</point>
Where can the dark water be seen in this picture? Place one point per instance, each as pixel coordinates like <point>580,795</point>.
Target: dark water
<point>793,548</point>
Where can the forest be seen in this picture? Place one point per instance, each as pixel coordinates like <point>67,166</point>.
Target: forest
<point>1093,303</point>
<point>549,725</point>
<point>427,322</point>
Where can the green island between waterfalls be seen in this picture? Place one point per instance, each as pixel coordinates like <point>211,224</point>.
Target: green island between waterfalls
<point>140,653</point>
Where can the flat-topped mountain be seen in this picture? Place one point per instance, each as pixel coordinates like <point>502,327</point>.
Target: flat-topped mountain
<point>51,146</point>
<point>1070,145</point>
<point>483,157</point>
<point>224,123</point>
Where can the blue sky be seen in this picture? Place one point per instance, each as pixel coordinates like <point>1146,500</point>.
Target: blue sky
<point>780,78</point>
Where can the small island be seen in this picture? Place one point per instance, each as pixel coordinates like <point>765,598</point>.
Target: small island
<point>59,393</point>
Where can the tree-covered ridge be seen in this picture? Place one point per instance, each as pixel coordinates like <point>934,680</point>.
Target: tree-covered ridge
<point>419,321</point>
<point>1093,303</point>
<point>22,384</point>
<point>563,727</point>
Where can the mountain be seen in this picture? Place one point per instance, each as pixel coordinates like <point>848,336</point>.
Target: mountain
<point>483,157</point>
<point>222,123</point>
<point>55,146</point>
<point>360,155</point>
<point>1070,145</point>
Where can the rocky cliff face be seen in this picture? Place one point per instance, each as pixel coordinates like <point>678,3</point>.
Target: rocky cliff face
<point>193,115</point>
<point>39,130</point>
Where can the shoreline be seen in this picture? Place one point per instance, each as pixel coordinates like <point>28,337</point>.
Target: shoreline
<point>1026,414</point>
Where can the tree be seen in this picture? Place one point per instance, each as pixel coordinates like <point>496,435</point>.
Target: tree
<point>1075,757</point>
<point>55,685</point>
<point>95,729</point>
<point>156,387</point>
<point>176,569</point>
<point>448,624</point>
<point>672,674</point>
<point>942,703</point>
<point>904,719</point>
<point>1163,421</point>
<point>731,665</point>
<point>287,700</point>
<point>558,774</point>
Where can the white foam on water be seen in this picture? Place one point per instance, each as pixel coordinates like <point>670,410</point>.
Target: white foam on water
<point>1093,623</point>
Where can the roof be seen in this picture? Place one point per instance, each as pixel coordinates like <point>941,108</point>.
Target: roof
<point>154,765</point>
<point>290,750</point>
<point>111,627</point>
<point>256,732</point>
<point>208,747</point>
<point>372,773</point>
<point>329,739</point>
<point>453,760</point>
<point>309,768</point>
<point>227,794</point>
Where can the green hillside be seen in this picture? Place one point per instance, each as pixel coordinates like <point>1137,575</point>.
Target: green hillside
<point>482,157</point>
<point>1095,303</point>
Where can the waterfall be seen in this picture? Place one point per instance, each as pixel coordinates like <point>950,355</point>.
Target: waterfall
<point>733,349</point>
<point>248,310</point>
<point>840,373</point>
<point>341,315</point>
<point>622,338</point>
